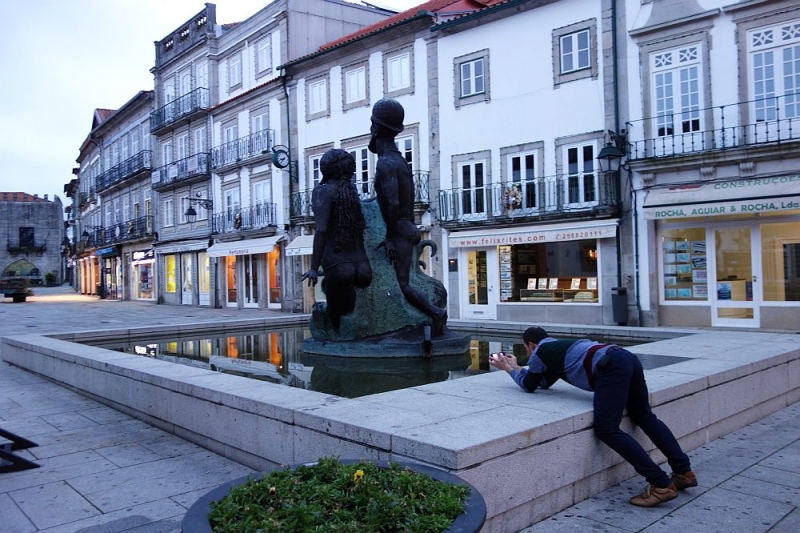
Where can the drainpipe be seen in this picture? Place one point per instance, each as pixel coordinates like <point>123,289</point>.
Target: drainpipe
<point>615,84</point>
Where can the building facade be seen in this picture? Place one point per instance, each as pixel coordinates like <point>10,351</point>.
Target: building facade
<point>713,156</point>
<point>34,233</point>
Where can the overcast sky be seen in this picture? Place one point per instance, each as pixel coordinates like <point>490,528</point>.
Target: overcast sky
<point>62,59</point>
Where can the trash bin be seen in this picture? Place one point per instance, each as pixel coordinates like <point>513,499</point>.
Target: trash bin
<point>619,305</point>
<point>101,291</point>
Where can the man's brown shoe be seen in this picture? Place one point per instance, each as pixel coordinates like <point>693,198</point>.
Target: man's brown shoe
<point>653,496</point>
<point>684,481</point>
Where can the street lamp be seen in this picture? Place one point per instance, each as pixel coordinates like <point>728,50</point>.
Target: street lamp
<point>610,157</point>
<point>191,214</point>
<point>85,236</point>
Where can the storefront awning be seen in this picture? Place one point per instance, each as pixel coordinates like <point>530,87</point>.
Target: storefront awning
<point>302,245</point>
<point>245,247</point>
<point>180,247</point>
<point>759,195</point>
<point>573,231</point>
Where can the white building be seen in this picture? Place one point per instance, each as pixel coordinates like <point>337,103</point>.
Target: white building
<point>714,161</point>
<point>533,229</point>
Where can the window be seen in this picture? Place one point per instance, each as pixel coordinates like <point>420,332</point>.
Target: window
<point>202,212</point>
<point>361,154</point>
<point>26,237</point>
<point>406,146</point>
<point>398,70</point>
<point>317,98</point>
<point>775,71</point>
<point>575,52</point>
<point>200,140</point>
<point>676,90</point>
<point>260,136</point>
<point>166,153</point>
<point>184,203</point>
<point>235,70</point>
<point>264,55</point>
<point>170,265</point>
<point>556,272</point>
<point>580,183</point>
<point>169,208</point>
<point>261,193</point>
<point>313,168</point>
<point>521,188</point>
<point>684,265</point>
<point>472,181</point>
<point>780,260</point>
<point>471,75</point>
<point>202,75</point>
<point>232,203</point>
<point>355,85</point>
<point>230,148</point>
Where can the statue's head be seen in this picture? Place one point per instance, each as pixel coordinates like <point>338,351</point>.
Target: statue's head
<point>337,164</point>
<point>388,113</point>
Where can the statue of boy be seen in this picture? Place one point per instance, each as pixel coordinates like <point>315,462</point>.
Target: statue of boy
<point>394,187</point>
<point>339,237</point>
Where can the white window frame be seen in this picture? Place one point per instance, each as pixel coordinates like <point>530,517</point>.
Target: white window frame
<point>677,95</point>
<point>575,52</point>
<point>317,98</point>
<point>472,201</point>
<point>472,77</point>
<point>169,213</point>
<point>264,55</point>
<point>202,212</point>
<point>398,72</point>
<point>575,191</point>
<point>200,140</point>
<point>235,71</point>
<point>363,174</point>
<point>355,85</point>
<point>775,97</point>
<point>184,203</point>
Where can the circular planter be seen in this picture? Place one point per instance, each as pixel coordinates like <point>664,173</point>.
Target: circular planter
<point>470,521</point>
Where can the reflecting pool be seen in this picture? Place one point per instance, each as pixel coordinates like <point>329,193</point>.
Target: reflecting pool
<point>277,356</point>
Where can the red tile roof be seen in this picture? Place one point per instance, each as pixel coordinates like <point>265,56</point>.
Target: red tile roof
<point>19,197</point>
<point>433,6</point>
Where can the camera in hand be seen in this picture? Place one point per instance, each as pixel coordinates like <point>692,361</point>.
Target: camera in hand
<point>498,355</point>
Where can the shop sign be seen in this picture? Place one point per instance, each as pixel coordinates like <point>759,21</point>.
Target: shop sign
<point>532,236</point>
<point>762,195</point>
<point>143,256</point>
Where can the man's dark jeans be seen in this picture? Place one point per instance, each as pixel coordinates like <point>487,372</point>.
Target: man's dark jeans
<point>620,384</point>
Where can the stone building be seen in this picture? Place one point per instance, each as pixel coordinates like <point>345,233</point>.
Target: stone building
<point>33,229</point>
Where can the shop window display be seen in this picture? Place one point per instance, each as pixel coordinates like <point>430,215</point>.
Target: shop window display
<point>684,265</point>
<point>556,272</point>
<point>780,257</point>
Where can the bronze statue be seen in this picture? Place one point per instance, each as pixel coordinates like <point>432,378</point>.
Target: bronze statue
<point>339,237</point>
<point>394,187</point>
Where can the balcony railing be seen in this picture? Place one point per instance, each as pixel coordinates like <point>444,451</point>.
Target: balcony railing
<point>545,197</point>
<point>132,230</point>
<point>300,204</point>
<point>259,216</point>
<point>180,108</point>
<point>258,144</point>
<point>766,120</point>
<point>127,169</point>
<point>194,166</point>
<point>26,248</point>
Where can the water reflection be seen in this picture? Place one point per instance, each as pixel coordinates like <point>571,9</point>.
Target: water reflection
<point>277,357</point>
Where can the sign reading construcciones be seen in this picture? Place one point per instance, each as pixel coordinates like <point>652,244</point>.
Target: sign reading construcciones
<point>762,195</point>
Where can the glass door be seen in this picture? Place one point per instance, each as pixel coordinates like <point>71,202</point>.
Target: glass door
<point>187,277</point>
<point>737,297</point>
<point>478,284</point>
<point>250,281</point>
<point>230,281</point>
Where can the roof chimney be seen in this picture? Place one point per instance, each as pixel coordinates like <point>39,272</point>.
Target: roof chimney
<point>45,197</point>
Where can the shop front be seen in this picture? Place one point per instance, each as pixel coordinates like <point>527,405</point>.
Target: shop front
<point>250,272</point>
<point>143,275</point>
<point>185,274</point>
<point>728,253</point>
<point>538,273</point>
<point>110,280</point>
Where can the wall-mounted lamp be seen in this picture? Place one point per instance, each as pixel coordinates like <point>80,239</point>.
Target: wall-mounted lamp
<point>610,157</point>
<point>85,236</point>
<point>191,214</point>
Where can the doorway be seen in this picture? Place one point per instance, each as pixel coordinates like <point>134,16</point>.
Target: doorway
<point>736,298</point>
<point>478,284</point>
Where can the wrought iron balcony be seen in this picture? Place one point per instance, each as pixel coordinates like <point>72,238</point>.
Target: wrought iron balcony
<point>300,204</point>
<point>247,218</point>
<point>185,170</point>
<point>542,198</point>
<point>755,122</point>
<point>259,144</point>
<point>130,231</point>
<point>121,172</point>
<point>31,248</point>
<point>180,110</point>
